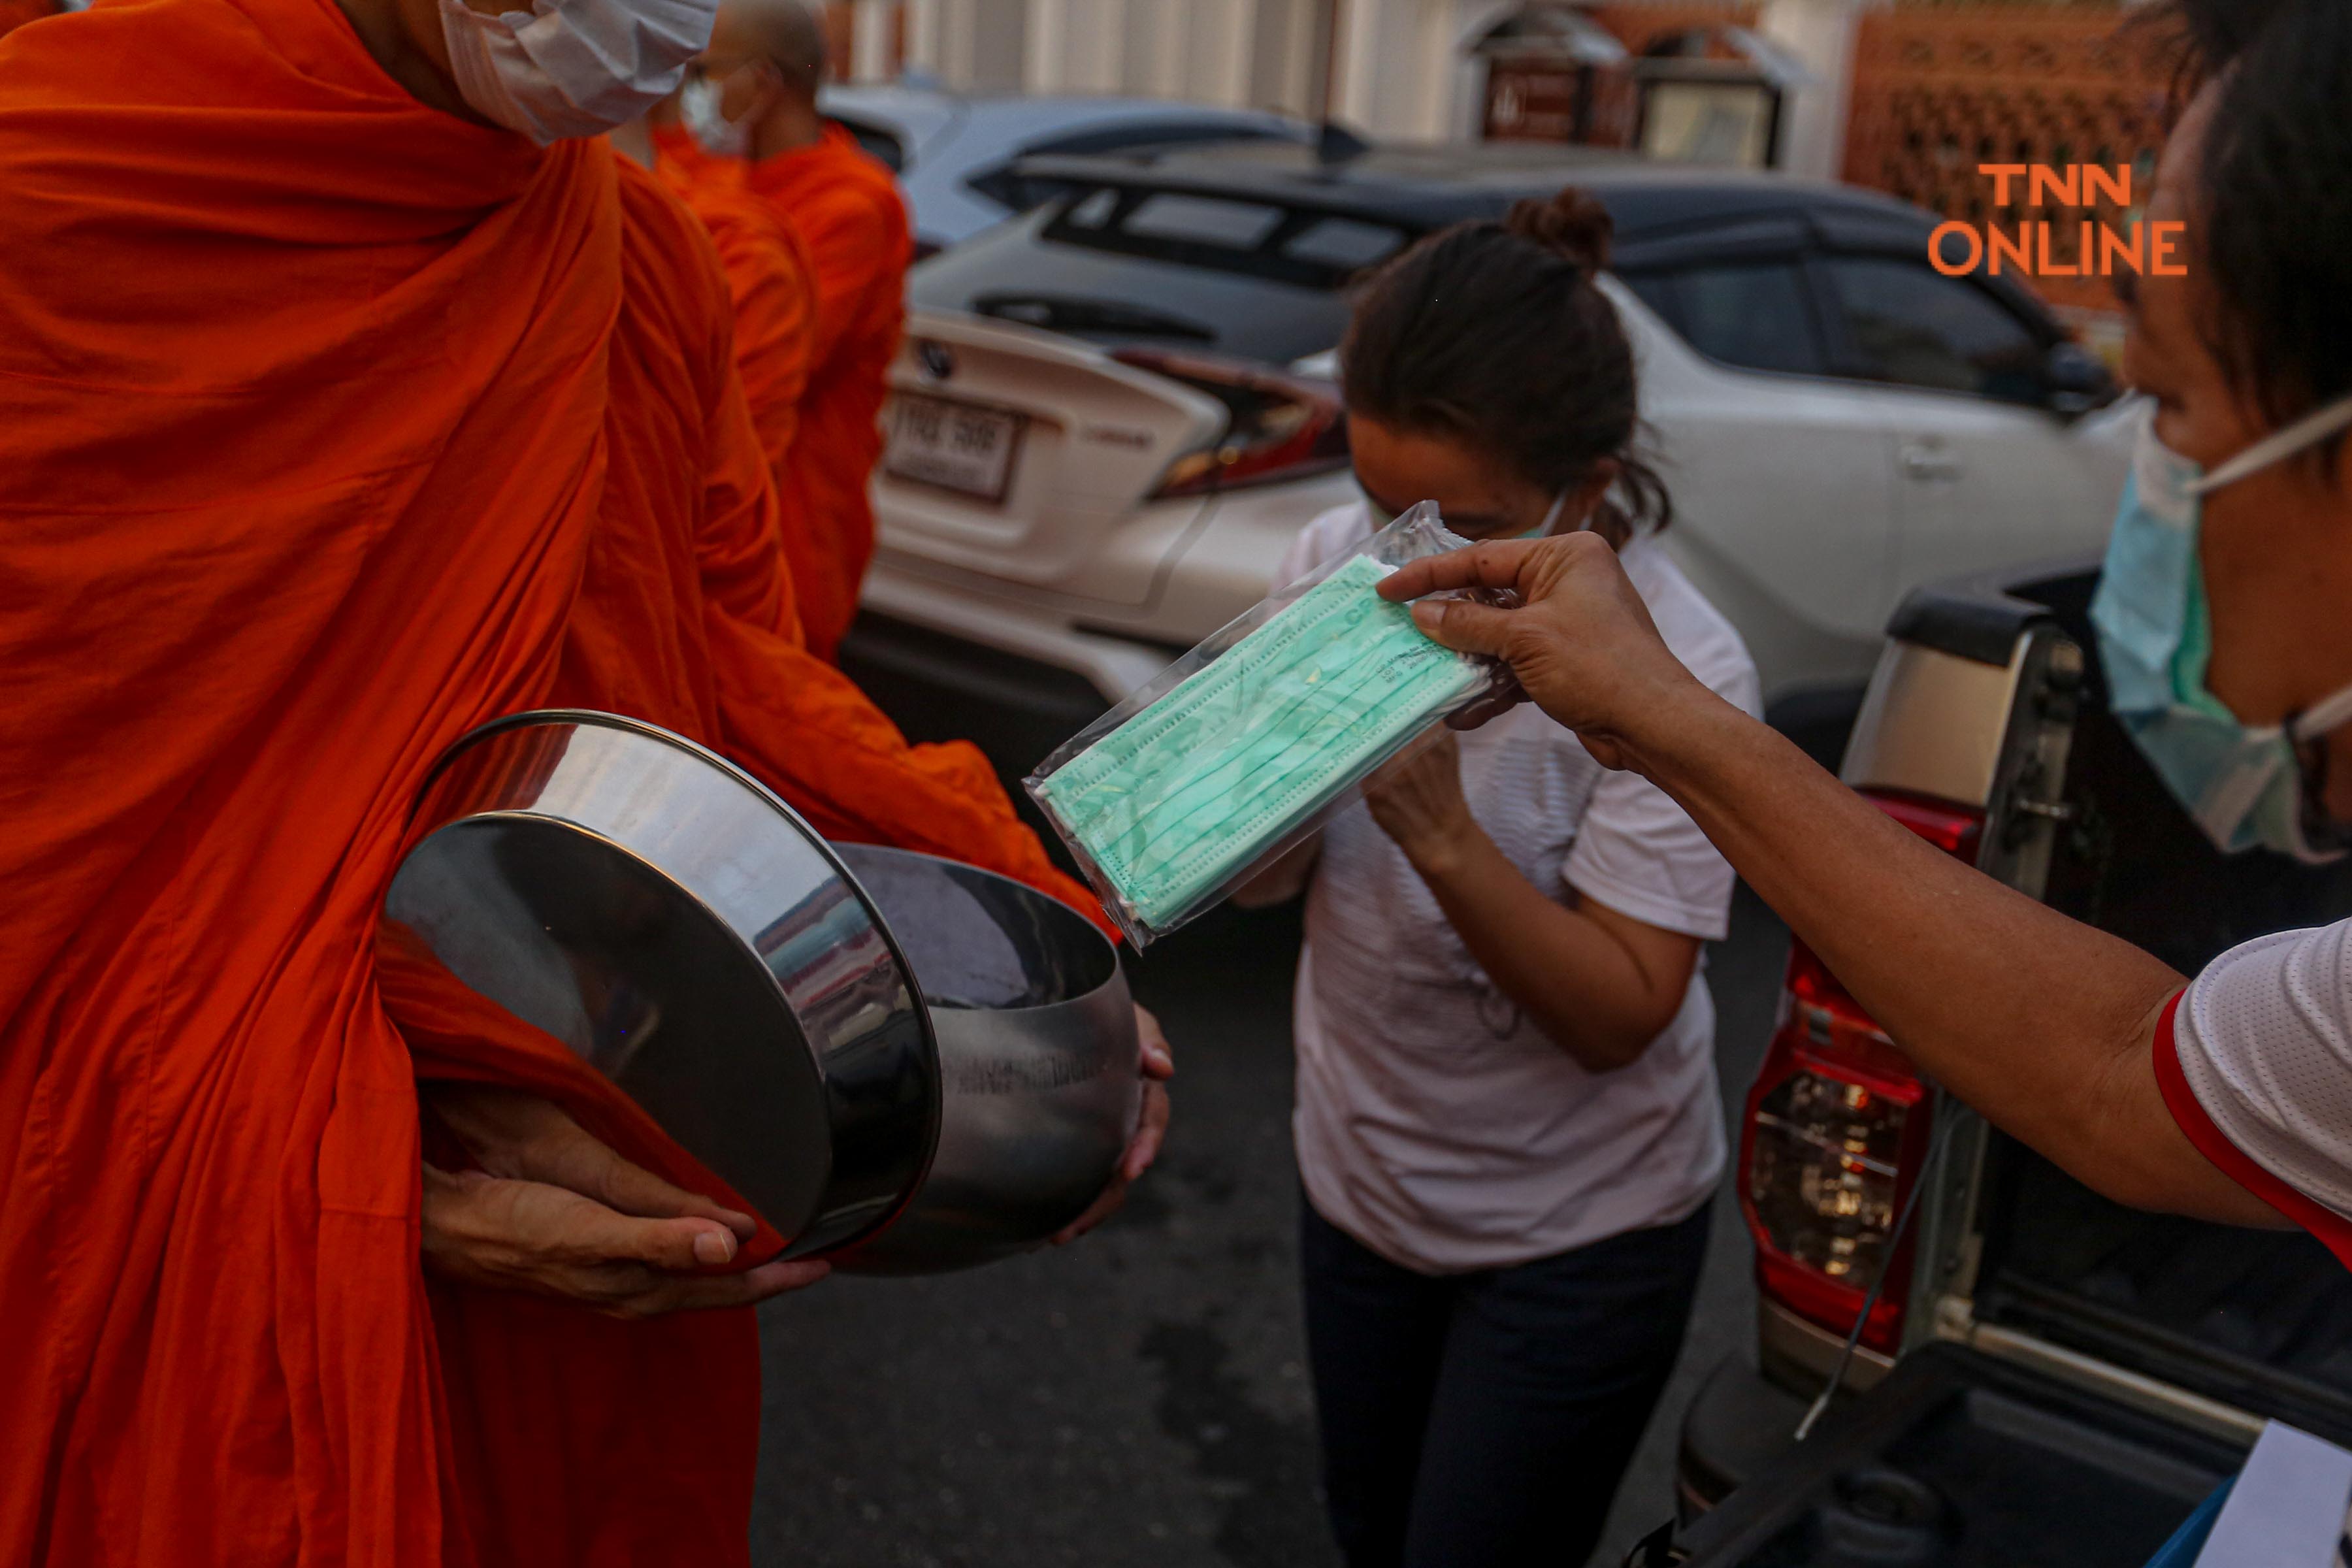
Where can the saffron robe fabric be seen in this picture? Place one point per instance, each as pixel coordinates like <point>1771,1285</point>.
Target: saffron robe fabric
<point>684,615</point>
<point>302,402</point>
<point>260,564</point>
<point>14,13</point>
<point>774,294</point>
<point>853,224</point>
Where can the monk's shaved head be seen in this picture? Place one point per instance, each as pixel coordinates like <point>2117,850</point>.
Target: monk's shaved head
<point>787,34</point>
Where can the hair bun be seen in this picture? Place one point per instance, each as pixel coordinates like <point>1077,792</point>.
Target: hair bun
<point>1572,223</point>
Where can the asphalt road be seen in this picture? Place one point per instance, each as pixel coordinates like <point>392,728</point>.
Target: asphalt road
<point>1138,1400</point>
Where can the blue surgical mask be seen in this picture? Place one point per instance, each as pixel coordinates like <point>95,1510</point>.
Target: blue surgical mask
<point>2243,783</point>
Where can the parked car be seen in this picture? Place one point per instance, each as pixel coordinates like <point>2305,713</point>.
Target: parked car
<point>2051,1378</point>
<point>1110,417</point>
<point>955,154</point>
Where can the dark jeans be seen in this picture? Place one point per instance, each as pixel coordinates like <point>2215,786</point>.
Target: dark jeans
<point>1484,1420</point>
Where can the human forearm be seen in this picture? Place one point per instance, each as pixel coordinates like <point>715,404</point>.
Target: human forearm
<point>2041,1022</point>
<point>1597,996</point>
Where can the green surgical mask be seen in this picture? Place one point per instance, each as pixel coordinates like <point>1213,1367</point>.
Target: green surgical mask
<point>1196,787</point>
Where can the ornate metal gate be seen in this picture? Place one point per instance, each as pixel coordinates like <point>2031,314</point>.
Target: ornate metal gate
<point>1940,89</point>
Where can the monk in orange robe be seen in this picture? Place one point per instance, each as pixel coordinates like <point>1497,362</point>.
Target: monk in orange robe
<point>685,618</point>
<point>305,427</point>
<point>774,292</point>
<point>303,411</point>
<point>773,289</point>
<point>766,60</point>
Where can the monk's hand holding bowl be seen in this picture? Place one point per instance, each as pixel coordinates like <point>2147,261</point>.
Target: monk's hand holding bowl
<point>1158,1064</point>
<point>1580,642</point>
<point>557,1212</point>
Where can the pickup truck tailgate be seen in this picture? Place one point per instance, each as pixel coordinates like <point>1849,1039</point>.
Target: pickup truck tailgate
<point>1957,1460</point>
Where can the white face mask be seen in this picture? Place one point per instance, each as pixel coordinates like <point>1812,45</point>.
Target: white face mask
<point>698,107</point>
<point>572,67</point>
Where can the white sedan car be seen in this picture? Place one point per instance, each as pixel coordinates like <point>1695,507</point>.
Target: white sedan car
<point>1110,418</point>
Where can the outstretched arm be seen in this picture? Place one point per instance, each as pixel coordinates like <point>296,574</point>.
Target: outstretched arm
<point>2043,1023</point>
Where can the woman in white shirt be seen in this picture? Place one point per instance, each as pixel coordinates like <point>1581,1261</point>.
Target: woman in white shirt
<point>2227,656</point>
<point>1507,1123</point>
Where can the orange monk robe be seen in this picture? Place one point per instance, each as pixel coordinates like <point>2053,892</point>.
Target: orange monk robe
<point>685,610</point>
<point>685,617</point>
<point>849,215</point>
<point>774,294</point>
<point>522,1419</point>
<point>302,402</point>
<point>14,13</point>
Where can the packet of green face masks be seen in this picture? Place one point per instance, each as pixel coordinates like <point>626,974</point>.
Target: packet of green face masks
<point>1244,746</point>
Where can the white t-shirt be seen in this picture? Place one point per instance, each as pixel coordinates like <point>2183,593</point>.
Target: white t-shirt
<point>1434,1124</point>
<point>2256,1065</point>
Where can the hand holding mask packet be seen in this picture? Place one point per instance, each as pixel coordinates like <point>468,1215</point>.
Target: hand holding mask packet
<point>1244,746</point>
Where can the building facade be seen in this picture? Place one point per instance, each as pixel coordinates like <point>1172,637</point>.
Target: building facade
<point>1417,70</point>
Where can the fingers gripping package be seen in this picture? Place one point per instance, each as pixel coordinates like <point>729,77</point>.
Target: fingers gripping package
<point>1243,747</point>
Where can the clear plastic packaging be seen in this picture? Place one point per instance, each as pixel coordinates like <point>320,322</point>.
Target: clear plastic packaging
<point>1238,751</point>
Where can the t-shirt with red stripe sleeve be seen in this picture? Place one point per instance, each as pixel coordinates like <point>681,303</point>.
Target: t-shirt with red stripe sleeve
<point>2254,1059</point>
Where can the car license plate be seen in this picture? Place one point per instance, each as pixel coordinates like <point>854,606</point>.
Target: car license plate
<point>958,447</point>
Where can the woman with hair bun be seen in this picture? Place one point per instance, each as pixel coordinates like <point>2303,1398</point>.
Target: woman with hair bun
<point>1507,1123</point>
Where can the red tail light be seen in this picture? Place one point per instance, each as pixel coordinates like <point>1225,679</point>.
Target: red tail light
<point>1836,1133</point>
<point>1282,427</point>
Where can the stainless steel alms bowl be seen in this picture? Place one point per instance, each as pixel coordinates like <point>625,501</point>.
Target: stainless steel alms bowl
<point>1038,1050</point>
<point>925,1073</point>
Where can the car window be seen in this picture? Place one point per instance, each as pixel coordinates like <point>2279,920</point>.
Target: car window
<point>878,143</point>
<point>1203,220</point>
<point>1346,243</point>
<point>1015,189</point>
<point>1076,269</point>
<point>1094,212</point>
<point>1908,325</point>
<point>1656,291</point>
<point>1753,315</point>
<point>1265,239</point>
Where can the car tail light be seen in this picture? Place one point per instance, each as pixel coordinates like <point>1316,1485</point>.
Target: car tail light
<point>1281,427</point>
<point>1836,1134</point>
